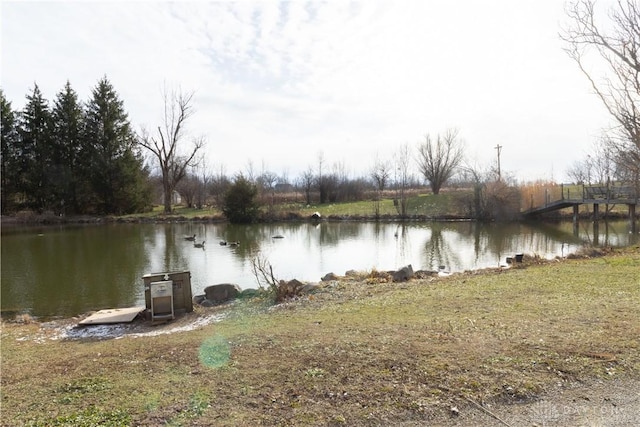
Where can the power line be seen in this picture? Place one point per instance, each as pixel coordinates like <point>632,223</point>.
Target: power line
<point>499,148</point>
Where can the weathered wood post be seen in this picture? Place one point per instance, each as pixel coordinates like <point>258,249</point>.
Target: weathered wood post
<point>546,196</point>
<point>632,218</point>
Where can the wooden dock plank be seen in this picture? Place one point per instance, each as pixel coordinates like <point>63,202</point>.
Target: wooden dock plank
<point>112,315</point>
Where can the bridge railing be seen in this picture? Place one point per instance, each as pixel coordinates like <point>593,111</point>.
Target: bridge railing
<point>541,194</point>
<point>545,194</point>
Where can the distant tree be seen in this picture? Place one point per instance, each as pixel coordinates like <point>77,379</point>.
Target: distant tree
<point>473,174</point>
<point>437,160</point>
<point>266,182</point>
<point>240,202</point>
<point>218,186</point>
<point>608,54</point>
<point>402,160</point>
<point>119,180</point>
<point>306,183</point>
<point>330,186</point>
<point>501,201</point>
<point>600,166</point>
<point>580,171</point>
<point>204,180</point>
<point>603,161</point>
<point>167,144</point>
<point>34,151</point>
<point>9,155</point>
<point>380,173</point>
<point>188,189</point>
<point>321,179</point>
<point>493,199</point>
<point>67,141</point>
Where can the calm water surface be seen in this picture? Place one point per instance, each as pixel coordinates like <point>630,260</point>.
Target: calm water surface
<point>66,271</point>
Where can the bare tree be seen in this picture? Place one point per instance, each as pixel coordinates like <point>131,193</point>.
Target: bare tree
<point>306,183</point>
<point>437,160</point>
<point>267,184</point>
<point>580,171</point>
<point>402,177</point>
<point>600,165</point>
<point>492,199</point>
<point>612,46</point>
<point>166,145</point>
<point>204,180</point>
<point>188,189</point>
<point>380,173</point>
<point>218,185</point>
<point>478,177</point>
<point>322,181</point>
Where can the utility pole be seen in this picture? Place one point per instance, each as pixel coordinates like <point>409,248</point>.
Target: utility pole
<point>499,148</point>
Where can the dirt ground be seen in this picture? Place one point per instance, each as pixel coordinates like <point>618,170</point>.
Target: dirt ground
<point>604,403</point>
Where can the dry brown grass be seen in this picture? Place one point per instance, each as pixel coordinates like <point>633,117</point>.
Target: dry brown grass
<point>363,352</point>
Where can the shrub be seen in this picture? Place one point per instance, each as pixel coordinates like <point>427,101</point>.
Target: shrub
<point>240,202</point>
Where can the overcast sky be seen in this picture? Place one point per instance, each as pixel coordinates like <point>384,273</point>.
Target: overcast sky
<point>276,84</point>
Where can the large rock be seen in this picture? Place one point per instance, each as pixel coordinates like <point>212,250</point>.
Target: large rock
<point>198,299</point>
<point>292,287</point>
<point>310,287</point>
<point>222,292</point>
<point>404,274</point>
<point>328,277</point>
<point>248,293</point>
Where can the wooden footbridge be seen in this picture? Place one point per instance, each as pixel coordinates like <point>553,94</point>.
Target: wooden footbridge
<point>574,196</point>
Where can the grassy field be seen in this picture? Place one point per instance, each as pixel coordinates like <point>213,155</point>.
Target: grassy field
<point>444,205</point>
<point>360,352</point>
<point>423,204</point>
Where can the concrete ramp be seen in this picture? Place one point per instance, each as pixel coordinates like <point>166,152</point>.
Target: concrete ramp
<point>112,315</point>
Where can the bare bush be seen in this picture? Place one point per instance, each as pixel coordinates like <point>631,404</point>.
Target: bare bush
<point>502,201</point>
<point>280,289</point>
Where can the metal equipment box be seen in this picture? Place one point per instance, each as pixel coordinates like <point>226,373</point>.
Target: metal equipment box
<point>161,296</point>
<point>181,284</point>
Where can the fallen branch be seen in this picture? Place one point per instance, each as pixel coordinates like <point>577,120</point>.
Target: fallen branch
<point>487,411</point>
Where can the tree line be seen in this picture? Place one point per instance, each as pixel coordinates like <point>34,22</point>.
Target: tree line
<point>72,157</point>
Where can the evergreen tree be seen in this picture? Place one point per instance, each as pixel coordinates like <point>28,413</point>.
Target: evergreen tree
<point>66,148</point>
<point>34,151</point>
<point>9,158</point>
<point>240,202</point>
<point>115,169</point>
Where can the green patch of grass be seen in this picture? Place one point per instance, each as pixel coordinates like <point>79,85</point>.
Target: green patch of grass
<point>361,208</point>
<point>420,205</point>
<point>179,211</point>
<point>78,388</point>
<point>198,404</point>
<point>90,417</point>
<point>417,205</point>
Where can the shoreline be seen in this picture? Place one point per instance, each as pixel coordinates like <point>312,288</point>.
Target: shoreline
<point>529,260</point>
<point>32,219</point>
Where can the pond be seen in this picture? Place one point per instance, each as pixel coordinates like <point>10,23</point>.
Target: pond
<point>63,271</point>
